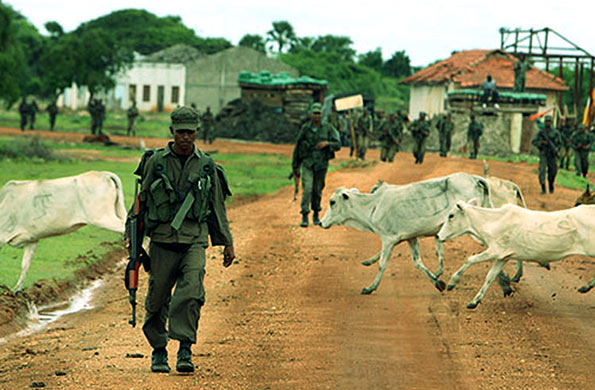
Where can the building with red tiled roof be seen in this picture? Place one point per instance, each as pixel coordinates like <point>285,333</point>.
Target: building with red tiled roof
<point>467,70</point>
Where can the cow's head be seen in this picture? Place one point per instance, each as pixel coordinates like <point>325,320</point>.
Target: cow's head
<point>339,207</point>
<point>456,223</point>
<point>587,197</point>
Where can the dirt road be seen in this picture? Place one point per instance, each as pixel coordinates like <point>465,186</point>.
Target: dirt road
<point>289,315</point>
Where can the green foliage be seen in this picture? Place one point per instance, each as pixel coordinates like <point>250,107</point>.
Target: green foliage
<point>399,65</point>
<point>27,148</point>
<point>282,34</point>
<point>372,59</point>
<point>340,45</point>
<point>568,96</point>
<point>146,33</point>
<point>253,41</point>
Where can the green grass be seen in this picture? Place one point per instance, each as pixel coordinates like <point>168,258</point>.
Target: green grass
<point>56,257</point>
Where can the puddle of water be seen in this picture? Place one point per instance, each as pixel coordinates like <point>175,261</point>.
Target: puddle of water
<point>41,317</point>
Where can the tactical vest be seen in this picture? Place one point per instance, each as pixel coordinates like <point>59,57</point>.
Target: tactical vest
<point>167,205</point>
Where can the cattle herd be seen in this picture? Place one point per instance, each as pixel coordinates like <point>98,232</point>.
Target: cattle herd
<point>445,208</point>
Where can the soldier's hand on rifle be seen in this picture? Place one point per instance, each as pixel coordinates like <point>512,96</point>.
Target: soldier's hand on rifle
<point>322,144</point>
<point>228,255</point>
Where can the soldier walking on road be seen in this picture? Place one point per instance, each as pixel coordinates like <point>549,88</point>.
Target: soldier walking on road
<point>420,129</point>
<point>316,144</point>
<point>33,109</point>
<point>581,142</point>
<point>547,140</point>
<point>132,114</point>
<point>207,128</point>
<point>566,130</point>
<point>182,204</point>
<point>390,134</point>
<point>363,131</point>
<point>474,132</point>
<point>24,113</point>
<point>52,110</point>
<point>445,128</point>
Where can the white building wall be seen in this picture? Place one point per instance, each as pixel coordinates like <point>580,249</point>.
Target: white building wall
<point>140,75</point>
<point>427,98</point>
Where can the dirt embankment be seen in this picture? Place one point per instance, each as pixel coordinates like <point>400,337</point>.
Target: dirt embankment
<point>289,315</point>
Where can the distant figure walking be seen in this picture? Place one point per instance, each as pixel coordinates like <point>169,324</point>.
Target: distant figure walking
<point>33,109</point>
<point>132,114</point>
<point>24,113</point>
<point>52,110</point>
<point>474,132</point>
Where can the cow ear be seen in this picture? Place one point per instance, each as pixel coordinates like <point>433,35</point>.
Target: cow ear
<point>345,196</point>
<point>460,205</point>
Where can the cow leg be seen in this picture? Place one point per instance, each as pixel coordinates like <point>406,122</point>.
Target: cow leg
<point>25,263</point>
<point>385,254</point>
<point>519,271</point>
<point>440,255</point>
<point>417,263</point>
<point>372,259</point>
<point>587,287</point>
<point>496,269</point>
<point>479,258</point>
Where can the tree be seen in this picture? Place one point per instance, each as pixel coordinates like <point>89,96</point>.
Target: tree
<point>253,41</point>
<point>372,59</point>
<point>54,28</point>
<point>282,34</point>
<point>399,65</point>
<point>335,44</point>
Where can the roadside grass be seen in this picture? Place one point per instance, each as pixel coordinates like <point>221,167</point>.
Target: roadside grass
<point>59,257</point>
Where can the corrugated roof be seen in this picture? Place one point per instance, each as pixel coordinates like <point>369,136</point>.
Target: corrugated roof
<point>469,69</point>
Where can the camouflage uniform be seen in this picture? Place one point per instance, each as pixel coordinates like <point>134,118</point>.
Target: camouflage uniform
<point>548,141</point>
<point>313,162</point>
<point>182,203</point>
<point>566,131</point>
<point>363,131</point>
<point>420,129</point>
<point>207,123</point>
<point>33,108</point>
<point>132,114</point>
<point>445,128</point>
<point>24,113</point>
<point>581,142</point>
<point>474,132</point>
<point>52,110</point>
<point>390,134</point>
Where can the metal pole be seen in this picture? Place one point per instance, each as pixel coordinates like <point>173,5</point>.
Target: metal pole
<point>560,68</point>
<point>530,41</point>
<point>580,88</point>
<point>576,91</point>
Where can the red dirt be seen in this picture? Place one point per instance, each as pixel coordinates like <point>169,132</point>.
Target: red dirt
<point>289,314</point>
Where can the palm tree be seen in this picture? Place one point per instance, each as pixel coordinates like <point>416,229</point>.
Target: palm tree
<point>282,34</point>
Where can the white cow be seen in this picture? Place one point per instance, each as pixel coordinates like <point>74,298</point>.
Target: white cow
<point>404,213</point>
<point>36,209</point>
<point>514,232</point>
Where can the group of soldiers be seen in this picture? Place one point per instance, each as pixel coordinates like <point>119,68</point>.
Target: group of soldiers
<point>554,147</point>
<point>28,112</point>
<point>96,109</point>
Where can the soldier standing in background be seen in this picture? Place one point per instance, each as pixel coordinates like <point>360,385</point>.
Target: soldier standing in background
<point>520,71</point>
<point>581,142</point>
<point>566,131</point>
<point>547,140</point>
<point>33,109</point>
<point>316,144</point>
<point>92,109</point>
<point>445,128</point>
<point>363,130</point>
<point>474,132</point>
<point>24,113</point>
<point>420,129</point>
<point>100,116</point>
<point>207,126</point>
<point>52,110</point>
<point>132,114</point>
<point>390,134</point>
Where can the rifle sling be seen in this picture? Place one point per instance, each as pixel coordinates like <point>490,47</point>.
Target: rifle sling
<point>181,214</point>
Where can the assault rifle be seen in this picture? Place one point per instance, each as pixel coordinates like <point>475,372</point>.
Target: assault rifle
<point>137,253</point>
<point>551,144</point>
<point>296,185</point>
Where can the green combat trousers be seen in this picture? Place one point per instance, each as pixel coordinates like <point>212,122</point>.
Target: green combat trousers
<point>547,163</point>
<point>387,153</point>
<point>312,186</point>
<point>184,268</point>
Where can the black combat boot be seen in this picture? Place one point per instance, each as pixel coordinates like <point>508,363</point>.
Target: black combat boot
<point>551,183</point>
<point>184,363</point>
<point>315,219</point>
<point>304,222</point>
<point>159,360</point>
<point>542,189</point>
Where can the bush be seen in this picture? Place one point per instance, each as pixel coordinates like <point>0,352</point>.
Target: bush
<point>28,148</point>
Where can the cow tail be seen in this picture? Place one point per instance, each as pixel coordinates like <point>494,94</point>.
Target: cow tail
<point>487,195</point>
<point>119,205</point>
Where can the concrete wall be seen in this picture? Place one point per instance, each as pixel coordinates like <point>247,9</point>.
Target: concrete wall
<point>213,80</point>
<point>427,98</point>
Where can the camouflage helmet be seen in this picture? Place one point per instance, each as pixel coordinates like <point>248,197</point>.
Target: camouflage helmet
<point>316,108</point>
<point>184,118</point>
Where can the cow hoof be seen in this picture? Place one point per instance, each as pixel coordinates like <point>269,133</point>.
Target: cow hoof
<point>508,292</point>
<point>450,287</point>
<point>367,291</point>
<point>585,289</point>
<point>367,263</point>
<point>440,285</point>
<point>472,305</point>
<point>516,279</point>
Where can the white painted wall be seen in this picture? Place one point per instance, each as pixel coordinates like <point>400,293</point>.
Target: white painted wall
<point>427,98</point>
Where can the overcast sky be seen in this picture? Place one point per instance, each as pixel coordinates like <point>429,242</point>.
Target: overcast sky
<point>427,30</point>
